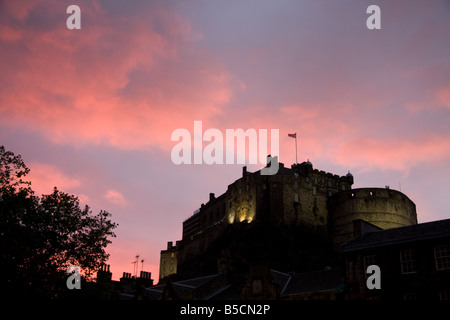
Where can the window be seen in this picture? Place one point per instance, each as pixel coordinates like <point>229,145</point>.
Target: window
<point>410,296</point>
<point>314,190</point>
<point>408,261</point>
<point>442,257</point>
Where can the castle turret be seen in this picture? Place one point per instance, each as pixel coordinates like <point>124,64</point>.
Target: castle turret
<point>382,207</point>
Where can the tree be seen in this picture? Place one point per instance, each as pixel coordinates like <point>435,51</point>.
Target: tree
<point>41,237</point>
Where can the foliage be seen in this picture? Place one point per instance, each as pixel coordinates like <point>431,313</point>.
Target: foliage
<point>41,237</point>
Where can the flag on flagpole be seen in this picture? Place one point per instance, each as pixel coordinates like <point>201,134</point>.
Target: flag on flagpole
<point>294,135</point>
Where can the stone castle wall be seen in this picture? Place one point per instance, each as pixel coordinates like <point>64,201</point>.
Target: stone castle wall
<point>298,196</point>
<point>384,208</point>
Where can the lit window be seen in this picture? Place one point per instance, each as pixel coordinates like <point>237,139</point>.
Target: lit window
<point>408,261</point>
<point>442,257</point>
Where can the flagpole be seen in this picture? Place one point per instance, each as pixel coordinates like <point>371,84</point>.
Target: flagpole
<point>296,160</point>
<point>294,135</point>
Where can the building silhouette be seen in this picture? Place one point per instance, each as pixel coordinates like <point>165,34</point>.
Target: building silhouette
<point>301,234</point>
<point>276,217</point>
<point>291,235</point>
<point>414,261</point>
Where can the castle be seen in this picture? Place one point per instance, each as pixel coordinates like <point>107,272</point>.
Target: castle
<point>294,220</point>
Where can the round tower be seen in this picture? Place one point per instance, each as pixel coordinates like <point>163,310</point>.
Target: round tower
<point>384,208</point>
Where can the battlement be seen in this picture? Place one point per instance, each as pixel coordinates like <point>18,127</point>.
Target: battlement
<point>255,196</point>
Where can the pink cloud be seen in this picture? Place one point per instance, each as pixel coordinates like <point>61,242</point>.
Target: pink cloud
<point>327,133</point>
<point>438,98</point>
<point>45,177</point>
<point>318,127</point>
<point>115,197</point>
<point>115,82</point>
<point>396,154</point>
<point>20,10</point>
<point>443,96</point>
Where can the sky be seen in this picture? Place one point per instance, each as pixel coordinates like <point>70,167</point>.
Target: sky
<point>92,110</point>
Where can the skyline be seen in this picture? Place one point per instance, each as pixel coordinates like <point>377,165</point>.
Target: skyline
<point>92,111</point>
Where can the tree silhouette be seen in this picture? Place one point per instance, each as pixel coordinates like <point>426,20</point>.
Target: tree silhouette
<point>41,237</point>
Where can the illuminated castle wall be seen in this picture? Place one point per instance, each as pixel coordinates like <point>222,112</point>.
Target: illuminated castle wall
<point>296,196</point>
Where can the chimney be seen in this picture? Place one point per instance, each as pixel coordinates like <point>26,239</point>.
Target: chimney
<point>211,196</point>
<point>169,245</point>
<point>244,171</point>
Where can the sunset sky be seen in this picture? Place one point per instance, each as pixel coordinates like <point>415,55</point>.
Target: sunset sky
<point>92,111</point>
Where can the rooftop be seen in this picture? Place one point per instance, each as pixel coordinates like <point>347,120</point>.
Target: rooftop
<point>422,231</point>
